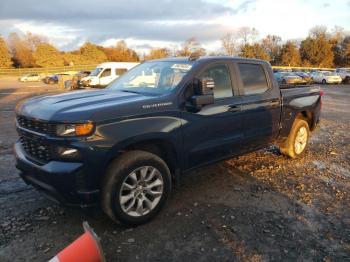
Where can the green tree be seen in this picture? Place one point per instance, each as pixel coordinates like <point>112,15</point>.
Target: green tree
<point>346,51</point>
<point>92,54</point>
<point>316,49</point>
<point>290,54</point>
<point>46,55</point>
<point>339,41</point>
<point>5,57</point>
<point>253,51</point>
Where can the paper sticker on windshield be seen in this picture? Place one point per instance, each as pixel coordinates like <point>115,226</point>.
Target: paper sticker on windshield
<point>185,67</point>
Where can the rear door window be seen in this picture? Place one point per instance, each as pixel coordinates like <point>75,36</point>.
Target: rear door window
<point>253,78</point>
<point>120,71</point>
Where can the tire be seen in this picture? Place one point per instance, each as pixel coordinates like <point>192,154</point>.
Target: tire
<point>121,173</point>
<point>347,80</point>
<point>324,82</point>
<point>289,147</point>
<point>284,82</point>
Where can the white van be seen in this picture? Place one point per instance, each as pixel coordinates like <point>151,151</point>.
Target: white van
<point>105,73</point>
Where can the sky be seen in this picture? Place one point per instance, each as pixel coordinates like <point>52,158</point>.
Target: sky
<point>166,23</point>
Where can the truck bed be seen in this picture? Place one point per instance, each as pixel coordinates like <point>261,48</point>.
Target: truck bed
<point>303,99</point>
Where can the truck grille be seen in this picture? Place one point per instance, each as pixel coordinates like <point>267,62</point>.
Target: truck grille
<point>35,125</point>
<point>36,148</point>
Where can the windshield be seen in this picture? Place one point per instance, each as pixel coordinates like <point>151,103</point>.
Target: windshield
<point>153,77</point>
<point>96,71</point>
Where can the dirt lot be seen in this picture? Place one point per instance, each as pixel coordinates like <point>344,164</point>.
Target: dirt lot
<point>258,207</point>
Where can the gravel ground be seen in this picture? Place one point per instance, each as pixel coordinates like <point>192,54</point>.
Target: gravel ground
<point>258,207</point>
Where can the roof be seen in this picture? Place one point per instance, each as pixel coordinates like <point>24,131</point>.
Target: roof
<point>209,58</point>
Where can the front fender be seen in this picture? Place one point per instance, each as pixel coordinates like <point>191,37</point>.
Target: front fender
<point>119,135</point>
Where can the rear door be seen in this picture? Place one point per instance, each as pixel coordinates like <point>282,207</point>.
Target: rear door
<point>120,71</point>
<point>214,132</point>
<point>260,104</point>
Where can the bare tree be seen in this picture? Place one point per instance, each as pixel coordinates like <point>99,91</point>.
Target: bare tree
<point>229,43</point>
<point>247,34</point>
<point>318,31</point>
<point>32,41</point>
<point>271,44</point>
<point>190,47</point>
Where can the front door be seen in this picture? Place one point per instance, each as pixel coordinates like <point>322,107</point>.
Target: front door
<point>215,131</point>
<point>106,77</point>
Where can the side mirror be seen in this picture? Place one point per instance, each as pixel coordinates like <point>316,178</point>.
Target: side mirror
<point>204,86</point>
<point>204,91</point>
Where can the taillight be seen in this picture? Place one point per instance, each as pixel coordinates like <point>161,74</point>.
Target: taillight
<point>321,94</point>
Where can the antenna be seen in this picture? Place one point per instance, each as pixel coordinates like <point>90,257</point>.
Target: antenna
<point>194,56</point>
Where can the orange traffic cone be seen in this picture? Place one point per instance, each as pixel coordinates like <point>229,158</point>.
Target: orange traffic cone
<point>86,248</point>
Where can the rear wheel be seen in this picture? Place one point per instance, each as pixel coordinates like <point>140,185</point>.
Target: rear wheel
<point>297,140</point>
<point>284,81</point>
<point>136,187</point>
<point>324,82</point>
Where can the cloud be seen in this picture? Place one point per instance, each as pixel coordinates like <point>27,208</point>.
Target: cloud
<point>67,23</point>
<point>169,22</point>
<point>136,10</point>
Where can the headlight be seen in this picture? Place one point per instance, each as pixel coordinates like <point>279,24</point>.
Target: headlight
<point>74,129</point>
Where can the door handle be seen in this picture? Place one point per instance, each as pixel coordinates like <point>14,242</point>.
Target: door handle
<point>234,108</point>
<point>274,103</point>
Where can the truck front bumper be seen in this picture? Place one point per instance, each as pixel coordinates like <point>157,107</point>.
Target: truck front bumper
<point>59,181</point>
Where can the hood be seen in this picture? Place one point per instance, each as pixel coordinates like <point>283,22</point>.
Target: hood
<point>92,105</point>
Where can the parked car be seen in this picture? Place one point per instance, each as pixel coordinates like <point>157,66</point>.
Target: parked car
<point>289,78</point>
<point>76,80</point>
<point>105,73</point>
<point>305,76</point>
<point>53,79</point>
<point>344,73</point>
<point>326,77</point>
<point>124,146</point>
<point>30,78</point>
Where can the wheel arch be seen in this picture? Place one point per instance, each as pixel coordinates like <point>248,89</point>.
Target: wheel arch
<point>308,116</point>
<point>161,147</point>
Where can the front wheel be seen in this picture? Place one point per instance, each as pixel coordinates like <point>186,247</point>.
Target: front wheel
<point>324,82</point>
<point>297,140</point>
<point>136,187</point>
<point>347,80</point>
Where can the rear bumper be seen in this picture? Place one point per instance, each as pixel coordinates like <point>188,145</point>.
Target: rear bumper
<point>333,81</point>
<point>59,181</point>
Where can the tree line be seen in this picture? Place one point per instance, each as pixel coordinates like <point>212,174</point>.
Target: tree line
<point>321,48</point>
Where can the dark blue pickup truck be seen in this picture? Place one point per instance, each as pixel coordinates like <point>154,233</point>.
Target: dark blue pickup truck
<point>123,147</point>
